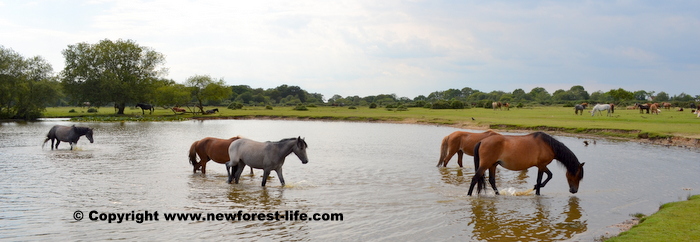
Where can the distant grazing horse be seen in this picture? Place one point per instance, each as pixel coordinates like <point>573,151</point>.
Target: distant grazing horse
<point>693,106</point>
<point>666,106</point>
<point>70,134</point>
<point>460,142</point>
<point>180,110</point>
<point>263,155</point>
<point>496,105</point>
<point>211,111</point>
<point>519,153</point>
<point>654,109</point>
<point>585,105</point>
<point>642,107</point>
<point>145,106</point>
<point>602,107</point>
<point>507,106</point>
<point>578,109</point>
<point>210,149</point>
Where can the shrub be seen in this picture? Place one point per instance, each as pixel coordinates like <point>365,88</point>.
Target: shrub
<point>235,105</point>
<point>372,105</point>
<point>268,107</point>
<point>72,111</point>
<point>352,107</point>
<point>92,110</point>
<point>301,107</point>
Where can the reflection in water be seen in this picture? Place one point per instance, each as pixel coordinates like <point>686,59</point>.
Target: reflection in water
<point>493,222</point>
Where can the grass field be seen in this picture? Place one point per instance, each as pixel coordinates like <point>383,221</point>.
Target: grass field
<point>676,221</point>
<point>623,123</point>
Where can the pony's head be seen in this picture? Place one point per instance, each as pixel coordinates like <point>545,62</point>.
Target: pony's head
<point>575,178</point>
<point>88,135</point>
<point>299,149</point>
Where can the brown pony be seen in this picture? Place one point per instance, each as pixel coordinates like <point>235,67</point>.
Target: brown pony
<point>210,149</point>
<point>520,153</point>
<point>654,108</point>
<point>460,142</point>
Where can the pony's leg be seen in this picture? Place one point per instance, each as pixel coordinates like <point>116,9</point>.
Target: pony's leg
<point>477,179</point>
<point>230,171</point>
<point>460,153</point>
<point>57,142</point>
<point>52,140</point>
<point>541,184</point>
<point>265,174</point>
<point>203,164</point>
<point>492,178</point>
<point>251,171</point>
<point>239,170</point>
<point>279,173</point>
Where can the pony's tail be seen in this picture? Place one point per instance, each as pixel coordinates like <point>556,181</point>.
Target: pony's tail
<point>481,180</point>
<point>193,154</point>
<point>443,150</point>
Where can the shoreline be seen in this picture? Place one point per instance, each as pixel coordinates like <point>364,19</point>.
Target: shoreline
<point>675,141</point>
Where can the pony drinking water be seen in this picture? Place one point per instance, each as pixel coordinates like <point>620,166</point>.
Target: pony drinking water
<point>70,134</point>
<point>264,155</point>
<point>460,142</point>
<point>520,153</point>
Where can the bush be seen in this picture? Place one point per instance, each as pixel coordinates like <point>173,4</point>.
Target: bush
<point>301,107</point>
<point>92,110</point>
<point>72,111</point>
<point>457,104</point>
<point>235,105</point>
<point>268,107</point>
<point>352,107</point>
<point>372,105</point>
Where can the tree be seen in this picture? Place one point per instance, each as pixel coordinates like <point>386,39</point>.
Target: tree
<point>540,95</point>
<point>111,71</point>
<point>662,97</point>
<point>578,93</point>
<point>204,89</point>
<point>172,95</point>
<point>27,85</point>
<point>620,94</point>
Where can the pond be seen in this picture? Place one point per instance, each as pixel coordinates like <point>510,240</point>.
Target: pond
<point>380,177</point>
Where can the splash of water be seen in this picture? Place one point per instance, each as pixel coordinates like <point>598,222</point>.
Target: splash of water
<point>511,191</point>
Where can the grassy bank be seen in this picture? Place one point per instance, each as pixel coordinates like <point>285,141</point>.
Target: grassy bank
<point>623,123</point>
<point>676,221</point>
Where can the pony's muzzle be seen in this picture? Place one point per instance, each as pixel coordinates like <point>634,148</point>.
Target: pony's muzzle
<point>304,161</point>
<point>573,190</point>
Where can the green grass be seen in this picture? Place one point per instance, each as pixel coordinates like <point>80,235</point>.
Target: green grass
<point>676,221</point>
<point>624,123</point>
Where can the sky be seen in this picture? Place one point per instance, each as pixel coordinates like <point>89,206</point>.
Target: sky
<point>364,48</point>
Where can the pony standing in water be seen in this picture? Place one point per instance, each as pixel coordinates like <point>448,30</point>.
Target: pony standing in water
<point>210,149</point>
<point>520,153</point>
<point>263,155</point>
<point>70,134</point>
<point>602,107</point>
<point>460,142</point>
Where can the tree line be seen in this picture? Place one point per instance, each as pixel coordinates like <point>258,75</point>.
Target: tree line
<point>122,73</point>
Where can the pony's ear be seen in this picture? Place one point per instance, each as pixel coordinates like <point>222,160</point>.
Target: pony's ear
<point>582,164</point>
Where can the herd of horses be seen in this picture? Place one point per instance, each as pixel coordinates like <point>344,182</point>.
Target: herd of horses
<point>653,108</point>
<point>176,109</point>
<point>489,149</point>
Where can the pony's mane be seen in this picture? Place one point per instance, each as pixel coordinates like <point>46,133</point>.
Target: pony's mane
<point>81,130</point>
<point>289,139</point>
<point>561,153</point>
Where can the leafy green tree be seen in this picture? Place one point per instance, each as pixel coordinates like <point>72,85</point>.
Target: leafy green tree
<point>172,95</point>
<point>27,85</point>
<point>204,88</point>
<point>621,94</point>
<point>640,95</point>
<point>111,71</point>
<point>578,93</point>
<point>540,95</point>
<point>662,97</point>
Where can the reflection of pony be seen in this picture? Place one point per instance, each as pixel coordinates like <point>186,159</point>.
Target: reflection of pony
<point>460,142</point>
<point>210,149</point>
<point>578,109</point>
<point>268,156</point>
<point>70,134</point>
<point>520,153</point>
<point>602,107</point>
<point>496,105</point>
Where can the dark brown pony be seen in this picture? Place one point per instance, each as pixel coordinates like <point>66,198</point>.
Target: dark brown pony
<point>520,153</point>
<point>460,142</point>
<point>210,149</point>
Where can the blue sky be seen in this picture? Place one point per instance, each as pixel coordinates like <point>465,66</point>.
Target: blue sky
<point>407,48</point>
